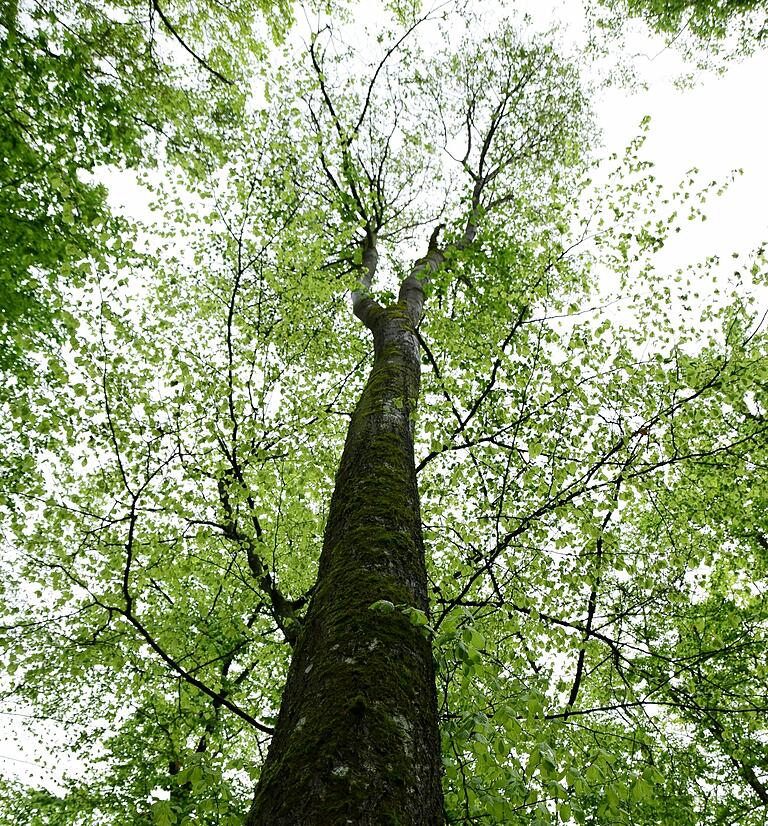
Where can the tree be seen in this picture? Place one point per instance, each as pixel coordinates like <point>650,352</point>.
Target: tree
<point>92,84</point>
<point>532,592</point>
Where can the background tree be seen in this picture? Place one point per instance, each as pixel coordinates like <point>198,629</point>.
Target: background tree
<point>589,448</point>
<point>90,84</point>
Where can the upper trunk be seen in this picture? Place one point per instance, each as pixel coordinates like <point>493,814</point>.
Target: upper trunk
<point>357,739</point>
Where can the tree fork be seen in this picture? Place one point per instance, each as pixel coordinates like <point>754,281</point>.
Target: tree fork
<point>357,740</point>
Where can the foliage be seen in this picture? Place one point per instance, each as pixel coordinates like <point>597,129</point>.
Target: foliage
<point>591,449</point>
<point>91,84</point>
<point>87,85</point>
<point>699,28</point>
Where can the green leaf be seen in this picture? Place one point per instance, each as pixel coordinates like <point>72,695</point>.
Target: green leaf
<point>382,606</point>
<point>163,814</point>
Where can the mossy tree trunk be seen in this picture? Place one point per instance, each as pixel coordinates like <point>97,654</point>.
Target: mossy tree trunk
<point>357,740</point>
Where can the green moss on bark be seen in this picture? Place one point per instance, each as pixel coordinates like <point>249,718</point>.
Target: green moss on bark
<point>356,739</point>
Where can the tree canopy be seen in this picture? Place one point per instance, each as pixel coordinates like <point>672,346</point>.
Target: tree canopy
<point>91,84</point>
<point>699,28</point>
<point>590,440</point>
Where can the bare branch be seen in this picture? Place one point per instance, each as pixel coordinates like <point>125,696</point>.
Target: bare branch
<point>168,25</point>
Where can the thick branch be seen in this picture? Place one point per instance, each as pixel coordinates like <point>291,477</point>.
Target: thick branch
<point>412,288</point>
<point>345,139</point>
<point>363,306</point>
<point>216,696</point>
<point>715,727</point>
<point>591,605</point>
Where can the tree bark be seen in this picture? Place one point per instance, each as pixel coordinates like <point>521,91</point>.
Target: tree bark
<point>357,740</point>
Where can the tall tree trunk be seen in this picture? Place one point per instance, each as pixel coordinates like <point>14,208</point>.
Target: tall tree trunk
<point>357,740</point>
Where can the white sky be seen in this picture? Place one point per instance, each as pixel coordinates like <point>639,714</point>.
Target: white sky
<point>719,125</point>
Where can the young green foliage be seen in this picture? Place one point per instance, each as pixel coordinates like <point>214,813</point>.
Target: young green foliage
<point>589,441</point>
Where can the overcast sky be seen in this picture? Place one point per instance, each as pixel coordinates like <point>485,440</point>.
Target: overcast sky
<point>720,125</point>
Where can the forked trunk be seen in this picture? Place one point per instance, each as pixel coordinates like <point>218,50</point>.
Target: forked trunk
<point>357,739</point>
